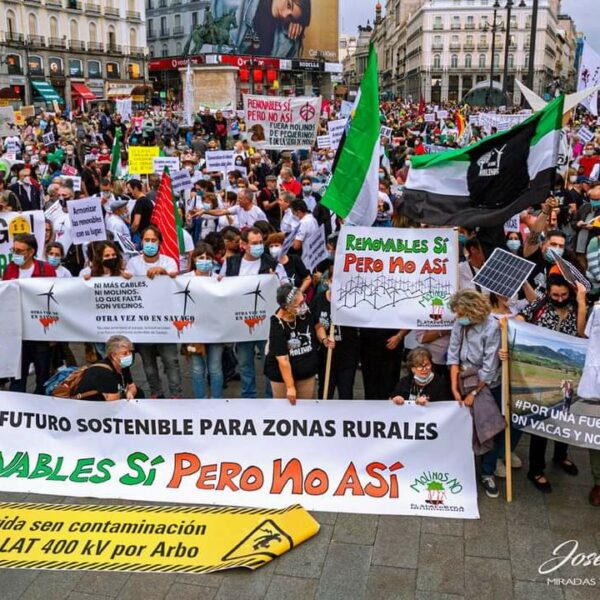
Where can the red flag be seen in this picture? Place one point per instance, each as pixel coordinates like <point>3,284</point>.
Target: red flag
<point>165,217</point>
<point>421,107</point>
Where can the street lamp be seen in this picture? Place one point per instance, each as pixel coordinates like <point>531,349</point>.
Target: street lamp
<point>509,6</point>
<point>534,17</point>
<point>496,26</point>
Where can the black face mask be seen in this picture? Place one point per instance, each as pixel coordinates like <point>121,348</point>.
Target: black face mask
<point>111,263</point>
<point>561,303</point>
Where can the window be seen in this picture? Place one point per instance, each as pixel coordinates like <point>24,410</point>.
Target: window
<point>11,22</point>
<point>163,25</point>
<point>470,40</point>
<point>455,39</point>
<point>93,33</point>
<point>112,70</point>
<point>54,27</point>
<point>437,41</point>
<point>482,40</point>
<point>482,61</point>
<point>454,61</point>
<point>13,62</point>
<point>56,66</point>
<point>74,30</point>
<point>514,24</point>
<point>468,61</point>
<point>152,51</point>
<point>178,49</point>
<point>194,19</point>
<point>526,61</point>
<point>483,21</point>
<point>455,22</point>
<point>75,67</point>
<point>36,65</point>
<point>177,20</point>
<point>112,38</point>
<point>511,61</point>
<point>133,37</point>
<point>496,60</point>
<point>133,69</point>
<point>437,61</point>
<point>94,69</point>
<point>165,50</point>
<point>32,24</point>
<point>470,22</point>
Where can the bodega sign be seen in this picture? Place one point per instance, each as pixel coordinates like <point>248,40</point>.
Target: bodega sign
<point>361,457</point>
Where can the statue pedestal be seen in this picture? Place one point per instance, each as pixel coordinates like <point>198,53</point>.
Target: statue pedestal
<point>214,85</point>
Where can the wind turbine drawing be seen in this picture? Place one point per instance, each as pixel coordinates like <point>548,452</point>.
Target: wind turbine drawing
<point>187,296</point>
<point>50,297</point>
<point>257,294</point>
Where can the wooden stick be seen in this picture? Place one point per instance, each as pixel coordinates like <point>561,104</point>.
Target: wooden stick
<point>506,398</point>
<point>331,336</point>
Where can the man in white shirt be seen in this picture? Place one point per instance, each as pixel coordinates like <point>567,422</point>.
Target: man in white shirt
<point>470,267</point>
<point>116,222</point>
<point>246,211</point>
<point>289,222</point>
<point>307,224</point>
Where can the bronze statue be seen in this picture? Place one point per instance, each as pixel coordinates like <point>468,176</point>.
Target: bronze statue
<point>212,32</point>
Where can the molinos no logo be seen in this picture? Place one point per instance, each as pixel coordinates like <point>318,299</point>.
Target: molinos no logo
<point>254,317</point>
<point>47,317</point>
<point>436,487</point>
<point>180,322</point>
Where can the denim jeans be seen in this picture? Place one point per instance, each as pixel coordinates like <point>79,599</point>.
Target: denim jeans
<point>170,359</point>
<point>488,461</point>
<point>247,366</point>
<point>38,353</point>
<point>211,362</point>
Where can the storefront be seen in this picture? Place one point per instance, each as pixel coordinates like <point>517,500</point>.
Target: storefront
<point>45,92</point>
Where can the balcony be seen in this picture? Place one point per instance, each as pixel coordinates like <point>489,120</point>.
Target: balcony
<point>151,34</point>
<point>164,33</point>
<point>134,15</point>
<point>36,41</point>
<point>74,5</point>
<point>483,46</point>
<point>54,42</point>
<point>178,30</point>
<point>470,26</point>
<point>92,8</point>
<point>468,47</point>
<point>37,2</point>
<point>111,12</point>
<point>454,46</point>
<point>114,48</point>
<point>11,36</point>
<point>162,3</point>
<point>135,50</point>
<point>455,26</point>
<point>438,27</point>
<point>437,47</point>
<point>95,47</point>
<point>77,45</point>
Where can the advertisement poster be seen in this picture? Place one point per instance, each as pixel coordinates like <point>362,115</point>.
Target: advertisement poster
<point>395,278</point>
<point>360,457</point>
<point>279,123</point>
<point>545,369</point>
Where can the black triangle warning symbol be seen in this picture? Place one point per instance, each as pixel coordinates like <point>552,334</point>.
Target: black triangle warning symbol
<point>266,539</point>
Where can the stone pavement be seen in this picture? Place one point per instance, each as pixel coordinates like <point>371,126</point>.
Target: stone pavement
<point>379,557</point>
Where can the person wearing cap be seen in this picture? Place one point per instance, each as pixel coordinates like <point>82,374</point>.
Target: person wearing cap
<point>117,224</point>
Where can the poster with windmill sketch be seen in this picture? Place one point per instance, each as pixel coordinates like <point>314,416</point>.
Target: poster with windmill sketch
<point>395,278</point>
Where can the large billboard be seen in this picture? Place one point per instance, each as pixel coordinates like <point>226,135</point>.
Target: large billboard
<point>280,28</point>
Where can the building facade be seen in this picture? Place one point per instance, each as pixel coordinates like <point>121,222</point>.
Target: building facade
<point>441,49</point>
<point>84,51</point>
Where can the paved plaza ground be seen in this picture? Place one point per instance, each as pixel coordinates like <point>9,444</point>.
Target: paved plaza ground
<point>372,557</point>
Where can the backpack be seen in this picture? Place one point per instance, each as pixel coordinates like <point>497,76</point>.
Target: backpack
<point>67,386</point>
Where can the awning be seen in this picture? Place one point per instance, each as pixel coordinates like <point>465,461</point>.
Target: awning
<point>47,92</point>
<point>83,90</point>
<point>122,90</point>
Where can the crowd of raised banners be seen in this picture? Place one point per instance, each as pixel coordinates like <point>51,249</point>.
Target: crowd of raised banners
<point>180,233</point>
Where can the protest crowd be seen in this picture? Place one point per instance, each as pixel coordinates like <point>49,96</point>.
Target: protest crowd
<point>255,214</point>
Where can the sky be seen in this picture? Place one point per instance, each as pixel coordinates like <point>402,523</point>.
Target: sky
<point>355,13</point>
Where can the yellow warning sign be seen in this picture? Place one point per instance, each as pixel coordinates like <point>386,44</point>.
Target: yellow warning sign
<point>147,538</point>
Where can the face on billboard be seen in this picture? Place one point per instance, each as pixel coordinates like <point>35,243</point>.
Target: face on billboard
<point>278,28</point>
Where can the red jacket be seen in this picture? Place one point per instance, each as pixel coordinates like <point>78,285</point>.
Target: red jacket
<point>40,269</point>
<point>293,186</point>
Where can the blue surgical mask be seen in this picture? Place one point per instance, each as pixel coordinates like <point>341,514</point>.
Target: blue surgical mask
<point>462,238</point>
<point>307,189</point>
<point>257,250</point>
<point>204,265</point>
<point>463,321</point>
<point>150,248</point>
<point>53,261</point>
<point>595,204</point>
<point>18,259</point>
<point>126,361</point>
<point>513,245</point>
<point>549,254</point>
<point>381,176</point>
<point>206,205</point>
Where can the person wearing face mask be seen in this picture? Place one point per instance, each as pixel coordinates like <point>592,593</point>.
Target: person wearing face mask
<point>205,224</point>
<point>55,254</point>
<point>297,273</point>
<point>589,160</point>
<point>117,221</point>
<point>106,261</point>
<point>469,268</point>
<point>292,361</point>
<point>29,195</point>
<point>475,373</point>
<point>246,211</point>
<point>423,384</point>
<point>586,216</point>
<point>111,378</point>
<point>514,243</point>
<point>267,200</point>
<point>206,358</point>
<point>564,310</point>
<point>544,257</point>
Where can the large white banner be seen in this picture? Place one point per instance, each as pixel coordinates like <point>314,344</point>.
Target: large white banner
<point>394,278</point>
<point>10,330</point>
<point>340,456</point>
<point>282,123</point>
<point>589,76</point>
<point>198,309</point>
<point>11,223</point>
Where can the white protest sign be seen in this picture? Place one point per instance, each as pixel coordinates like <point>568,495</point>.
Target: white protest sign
<point>123,107</point>
<point>394,278</point>
<point>474,119</point>
<point>346,108</point>
<point>170,162</point>
<point>219,160</point>
<point>8,125</point>
<point>12,223</point>
<point>280,123</point>
<point>442,114</point>
<point>337,456</point>
<point>148,310</point>
<point>336,131</point>
<point>585,135</point>
<point>10,330</point>
<point>314,249</point>
<point>513,224</point>
<point>429,118</point>
<point>76,181</point>
<point>323,141</point>
<point>181,181</point>
<point>87,220</point>
<point>48,138</point>
<point>386,132</point>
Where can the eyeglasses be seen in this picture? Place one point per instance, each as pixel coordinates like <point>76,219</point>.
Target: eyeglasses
<point>424,367</point>
<point>19,252</point>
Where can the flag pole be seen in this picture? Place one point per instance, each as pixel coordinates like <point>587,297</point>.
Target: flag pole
<point>506,398</point>
<point>328,362</point>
